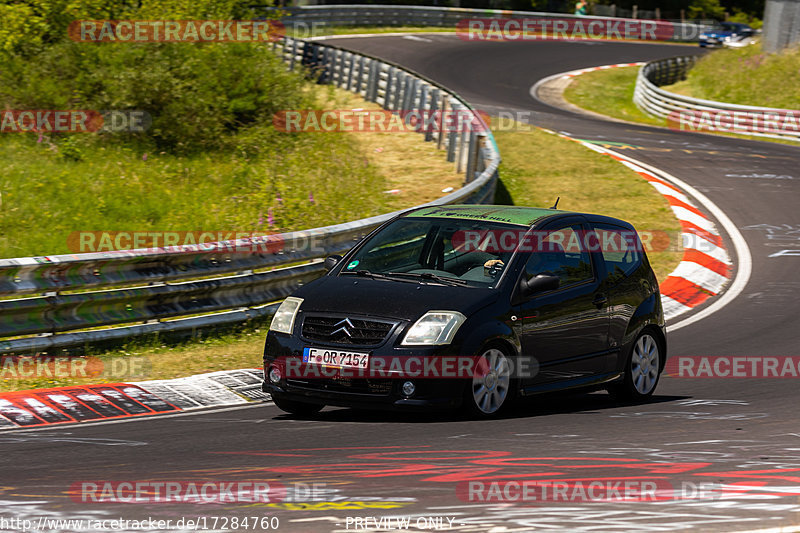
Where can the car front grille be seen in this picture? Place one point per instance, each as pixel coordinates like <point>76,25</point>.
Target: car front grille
<point>346,330</point>
<point>375,387</point>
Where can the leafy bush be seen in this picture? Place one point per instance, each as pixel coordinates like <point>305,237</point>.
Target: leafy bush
<point>27,27</point>
<point>196,94</point>
<point>706,9</point>
<point>744,18</point>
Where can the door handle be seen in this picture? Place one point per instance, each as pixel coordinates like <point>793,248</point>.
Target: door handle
<point>600,300</point>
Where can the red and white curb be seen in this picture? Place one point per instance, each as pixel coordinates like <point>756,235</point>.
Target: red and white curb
<point>111,401</point>
<point>573,73</point>
<point>706,266</point>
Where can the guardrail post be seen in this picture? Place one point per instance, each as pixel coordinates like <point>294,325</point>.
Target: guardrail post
<point>481,161</point>
<point>433,118</point>
<point>423,108</point>
<point>360,84</point>
<point>409,96</point>
<point>461,136</point>
<point>472,155</point>
<point>372,81</point>
<point>351,64</point>
<point>335,78</point>
<point>382,68</point>
<point>442,123</point>
<point>327,72</point>
<point>294,54</point>
<point>391,79</point>
<point>452,135</point>
<point>402,90</point>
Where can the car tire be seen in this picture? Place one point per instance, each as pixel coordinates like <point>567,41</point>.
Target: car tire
<point>642,369</point>
<point>490,393</point>
<point>296,408</point>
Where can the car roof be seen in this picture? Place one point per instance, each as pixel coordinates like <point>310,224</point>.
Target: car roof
<point>505,214</point>
<point>508,214</point>
<point>735,25</point>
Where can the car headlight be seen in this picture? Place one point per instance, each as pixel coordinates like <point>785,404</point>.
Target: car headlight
<point>435,327</point>
<point>283,321</point>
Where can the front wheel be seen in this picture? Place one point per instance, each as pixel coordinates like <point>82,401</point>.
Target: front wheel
<point>642,370</point>
<point>492,385</point>
<point>296,408</point>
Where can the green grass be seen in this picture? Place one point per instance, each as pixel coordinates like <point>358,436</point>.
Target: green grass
<point>47,198</point>
<point>585,181</point>
<point>746,76</point>
<point>142,360</point>
<point>609,92</point>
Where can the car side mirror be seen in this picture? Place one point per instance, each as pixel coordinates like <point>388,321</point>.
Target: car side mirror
<point>331,261</point>
<point>540,283</point>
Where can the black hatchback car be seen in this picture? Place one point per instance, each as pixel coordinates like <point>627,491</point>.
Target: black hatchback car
<point>471,306</point>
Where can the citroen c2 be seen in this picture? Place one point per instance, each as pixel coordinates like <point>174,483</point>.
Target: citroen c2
<point>530,300</point>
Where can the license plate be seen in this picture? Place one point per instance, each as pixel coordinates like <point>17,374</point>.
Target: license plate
<point>335,358</point>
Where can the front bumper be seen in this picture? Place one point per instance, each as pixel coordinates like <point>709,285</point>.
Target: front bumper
<point>381,391</point>
<point>438,400</point>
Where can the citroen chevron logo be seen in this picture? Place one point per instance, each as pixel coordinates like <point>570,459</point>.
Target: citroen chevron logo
<point>343,323</point>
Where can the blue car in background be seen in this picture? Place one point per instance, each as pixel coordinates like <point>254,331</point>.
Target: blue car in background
<point>727,34</point>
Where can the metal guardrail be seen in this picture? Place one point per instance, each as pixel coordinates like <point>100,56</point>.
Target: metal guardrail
<point>192,281</point>
<point>650,98</point>
<point>352,15</point>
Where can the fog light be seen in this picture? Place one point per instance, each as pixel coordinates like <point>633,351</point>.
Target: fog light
<point>274,374</point>
<point>409,388</point>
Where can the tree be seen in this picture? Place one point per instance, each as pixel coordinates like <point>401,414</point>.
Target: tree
<point>706,9</point>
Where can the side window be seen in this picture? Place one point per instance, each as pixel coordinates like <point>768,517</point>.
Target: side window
<point>621,249</point>
<point>561,253</point>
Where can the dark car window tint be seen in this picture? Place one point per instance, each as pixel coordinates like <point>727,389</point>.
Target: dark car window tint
<point>621,249</point>
<point>561,253</point>
<point>473,252</point>
<point>398,250</point>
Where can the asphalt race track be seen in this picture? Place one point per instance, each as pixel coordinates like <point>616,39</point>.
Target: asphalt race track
<point>724,454</point>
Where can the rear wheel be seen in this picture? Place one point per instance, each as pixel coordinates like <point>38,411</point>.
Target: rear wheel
<point>296,408</point>
<point>642,369</point>
<point>492,387</point>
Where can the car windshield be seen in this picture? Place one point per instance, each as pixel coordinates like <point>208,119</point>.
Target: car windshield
<point>731,26</point>
<point>438,250</point>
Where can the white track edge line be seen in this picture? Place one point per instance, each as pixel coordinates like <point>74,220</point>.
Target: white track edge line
<point>744,263</point>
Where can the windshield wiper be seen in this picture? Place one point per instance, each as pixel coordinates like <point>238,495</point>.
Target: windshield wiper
<point>433,277</point>
<point>374,275</point>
